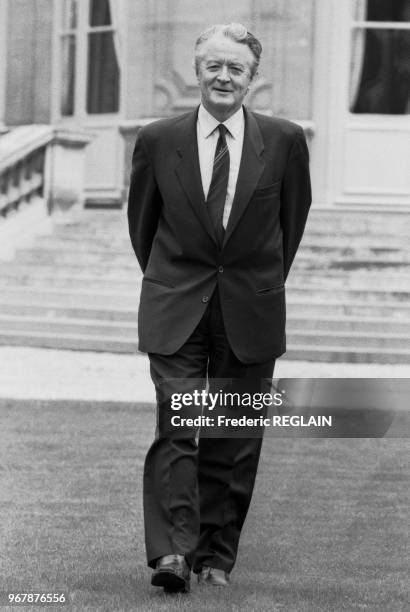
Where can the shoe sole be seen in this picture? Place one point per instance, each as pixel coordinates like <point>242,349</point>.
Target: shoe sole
<point>170,582</point>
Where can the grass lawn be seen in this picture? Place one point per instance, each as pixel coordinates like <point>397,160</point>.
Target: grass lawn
<point>328,527</point>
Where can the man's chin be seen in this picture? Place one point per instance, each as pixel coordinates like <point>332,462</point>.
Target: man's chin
<point>223,99</point>
<point>222,105</point>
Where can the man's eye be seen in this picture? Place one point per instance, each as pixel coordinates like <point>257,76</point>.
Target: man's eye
<point>236,70</point>
<point>213,67</point>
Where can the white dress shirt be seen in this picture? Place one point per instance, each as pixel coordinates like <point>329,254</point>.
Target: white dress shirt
<point>208,135</point>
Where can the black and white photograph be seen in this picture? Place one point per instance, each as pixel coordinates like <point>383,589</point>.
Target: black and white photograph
<point>205,305</point>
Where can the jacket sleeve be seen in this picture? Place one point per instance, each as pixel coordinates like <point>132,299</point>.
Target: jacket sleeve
<point>144,202</point>
<point>296,198</point>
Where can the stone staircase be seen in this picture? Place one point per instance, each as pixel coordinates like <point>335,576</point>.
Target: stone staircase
<point>348,295</point>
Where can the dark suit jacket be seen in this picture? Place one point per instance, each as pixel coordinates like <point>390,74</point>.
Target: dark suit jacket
<point>174,241</point>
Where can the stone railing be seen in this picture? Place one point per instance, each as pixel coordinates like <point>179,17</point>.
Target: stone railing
<point>41,171</point>
<point>41,161</point>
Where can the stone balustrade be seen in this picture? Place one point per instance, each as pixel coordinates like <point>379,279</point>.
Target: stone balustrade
<point>39,161</point>
<point>41,171</point>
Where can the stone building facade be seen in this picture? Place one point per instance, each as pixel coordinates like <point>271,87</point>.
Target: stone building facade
<point>339,68</point>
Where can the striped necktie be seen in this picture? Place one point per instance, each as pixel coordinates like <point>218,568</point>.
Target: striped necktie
<point>219,183</point>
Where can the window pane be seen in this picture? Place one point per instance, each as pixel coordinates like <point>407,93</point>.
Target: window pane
<point>69,14</point>
<point>381,72</point>
<point>67,75</point>
<point>100,13</point>
<point>385,10</point>
<point>103,74</point>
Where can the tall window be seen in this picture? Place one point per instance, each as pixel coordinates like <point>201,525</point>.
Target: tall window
<point>90,57</point>
<point>380,66</point>
<point>68,56</point>
<point>103,70</point>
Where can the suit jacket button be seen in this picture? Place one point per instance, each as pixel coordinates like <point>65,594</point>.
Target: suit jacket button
<point>220,269</point>
<point>205,299</point>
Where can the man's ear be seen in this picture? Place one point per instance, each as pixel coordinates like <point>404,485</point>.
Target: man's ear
<point>195,66</point>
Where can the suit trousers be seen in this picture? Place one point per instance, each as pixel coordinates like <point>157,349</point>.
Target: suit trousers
<point>197,490</point>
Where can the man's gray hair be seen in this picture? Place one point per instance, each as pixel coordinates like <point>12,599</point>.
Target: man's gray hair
<point>238,33</point>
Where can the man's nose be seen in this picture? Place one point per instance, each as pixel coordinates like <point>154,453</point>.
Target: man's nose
<point>224,74</point>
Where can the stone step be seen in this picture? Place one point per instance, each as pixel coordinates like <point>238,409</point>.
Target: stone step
<point>119,237</point>
<point>120,241</point>
<point>69,297</point>
<point>332,223</point>
<point>123,345</point>
<point>22,272</point>
<point>347,295</point>
<point>335,354</point>
<point>98,242</point>
<point>124,286</point>
<point>29,310</point>
<point>330,252</point>
<point>125,319</point>
<point>347,324</point>
<point>327,231</point>
<point>330,308</point>
<point>359,279</point>
<point>88,233</point>
<point>348,264</point>
<point>62,257</point>
<point>316,338</point>
<point>334,245</point>
<point>66,282</point>
<point>51,299</point>
<point>112,295</point>
<point>350,294</point>
<point>68,341</point>
<point>312,337</point>
<point>129,281</point>
<point>110,223</point>
<point>94,215</point>
<point>358,227</point>
<point>349,220</point>
<point>354,221</point>
<point>74,268</point>
<point>305,259</point>
<point>83,327</point>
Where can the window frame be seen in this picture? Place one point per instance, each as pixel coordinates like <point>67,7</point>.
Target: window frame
<point>81,32</point>
<point>363,25</point>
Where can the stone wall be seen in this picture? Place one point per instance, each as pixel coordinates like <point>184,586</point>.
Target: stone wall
<point>161,36</point>
<point>29,43</point>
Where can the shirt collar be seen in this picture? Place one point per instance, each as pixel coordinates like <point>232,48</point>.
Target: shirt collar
<point>208,123</point>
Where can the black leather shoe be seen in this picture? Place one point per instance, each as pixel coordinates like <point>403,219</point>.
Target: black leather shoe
<point>213,577</point>
<point>172,573</point>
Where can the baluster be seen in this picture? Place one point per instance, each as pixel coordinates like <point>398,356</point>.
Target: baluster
<point>3,193</point>
<point>38,172</point>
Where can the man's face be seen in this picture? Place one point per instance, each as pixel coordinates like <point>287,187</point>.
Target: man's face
<point>224,74</point>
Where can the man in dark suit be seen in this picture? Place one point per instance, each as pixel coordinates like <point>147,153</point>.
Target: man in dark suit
<point>217,207</point>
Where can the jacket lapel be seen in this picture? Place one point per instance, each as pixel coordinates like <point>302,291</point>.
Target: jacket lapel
<point>189,173</point>
<point>250,170</point>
